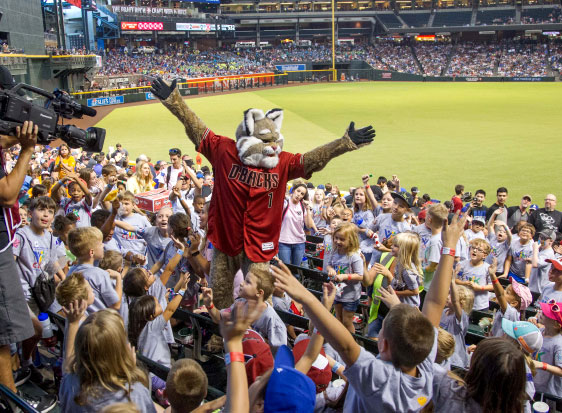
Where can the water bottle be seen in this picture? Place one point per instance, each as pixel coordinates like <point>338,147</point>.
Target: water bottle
<point>48,338</point>
<point>304,262</point>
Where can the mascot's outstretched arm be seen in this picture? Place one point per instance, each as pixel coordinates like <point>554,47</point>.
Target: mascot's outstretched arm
<point>171,98</point>
<point>316,159</point>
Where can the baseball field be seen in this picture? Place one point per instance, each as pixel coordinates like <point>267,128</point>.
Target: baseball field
<point>432,135</point>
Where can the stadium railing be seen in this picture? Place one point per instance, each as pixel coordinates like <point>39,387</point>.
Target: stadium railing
<point>9,397</point>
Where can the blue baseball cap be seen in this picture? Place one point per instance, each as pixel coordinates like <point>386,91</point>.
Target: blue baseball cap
<point>533,207</point>
<point>288,390</point>
<point>527,334</point>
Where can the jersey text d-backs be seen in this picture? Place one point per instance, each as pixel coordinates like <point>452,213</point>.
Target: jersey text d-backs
<point>247,202</point>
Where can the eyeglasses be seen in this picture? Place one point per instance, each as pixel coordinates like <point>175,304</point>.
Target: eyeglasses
<point>549,199</point>
<point>554,307</point>
<point>174,151</point>
<point>477,250</point>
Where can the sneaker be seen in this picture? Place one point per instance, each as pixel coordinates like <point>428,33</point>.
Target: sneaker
<point>42,404</point>
<point>21,375</point>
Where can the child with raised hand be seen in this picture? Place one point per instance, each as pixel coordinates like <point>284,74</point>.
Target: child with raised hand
<point>548,361</point>
<point>80,201</point>
<point>475,273</point>
<point>87,245</point>
<point>406,278</point>
<point>542,252</point>
<point>156,237</point>
<point>129,240</point>
<point>499,237</point>
<point>512,301</point>
<point>345,265</point>
<point>146,330</point>
<point>256,287</point>
<point>455,320</point>
<point>553,290</point>
<point>102,370</point>
<point>518,262</point>
<point>407,341</point>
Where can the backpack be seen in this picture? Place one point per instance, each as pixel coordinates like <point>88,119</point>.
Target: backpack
<point>168,173</point>
<point>43,291</point>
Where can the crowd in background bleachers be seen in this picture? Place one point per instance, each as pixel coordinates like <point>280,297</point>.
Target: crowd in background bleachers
<point>433,57</point>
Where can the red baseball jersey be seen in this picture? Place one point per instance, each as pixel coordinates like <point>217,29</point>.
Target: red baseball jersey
<point>247,202</point>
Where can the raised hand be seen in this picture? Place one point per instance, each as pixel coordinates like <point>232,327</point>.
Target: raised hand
<point>27,135</point>
<point>234,325</point>
<point>75,310</point>
<point>360,137</point>
<point>387,296</point>
<point>451,233</point>
<point>207,296</point>
<point>329,295</point>
<point>161,89</point>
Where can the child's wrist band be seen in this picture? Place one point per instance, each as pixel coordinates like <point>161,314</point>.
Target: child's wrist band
<point>180,252</point>
<point>448,251</point>
<point>495,281</point>
<point>211,307</point>
<point>233,357</point>
<point>544,366</point>
<point>348,277</point>
<point>335,367</point>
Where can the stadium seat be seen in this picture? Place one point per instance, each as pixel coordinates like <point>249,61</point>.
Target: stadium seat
<point>452,18</point>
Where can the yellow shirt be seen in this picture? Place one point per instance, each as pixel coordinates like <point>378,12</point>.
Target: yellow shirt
<point>70,162</point>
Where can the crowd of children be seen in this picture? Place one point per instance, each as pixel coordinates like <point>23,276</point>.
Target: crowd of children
<point>118,274</point>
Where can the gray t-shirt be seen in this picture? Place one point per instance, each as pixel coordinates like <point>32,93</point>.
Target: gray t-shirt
<point>425,236</point>
<point>470,235</point>
<point>549,293</point>
<point>70,387</point>
<point>461,250</point>
<point>386,227</point>
<point>36,254</point>
<point>348,291</point>
<point>129,240</point>
<point>111,245</point>
<point>539,276</point>
<point>364,220</point>
<point>405,279</point>
<point>152,342</point>
<point>449,395</point>
<point>511,314</point>
<point>432,253</point>
<point>376,385</point>
<point>183,266</point>
<point>498,251</point>
<point>480,276</point>
<point>519,254</point>
<point>155,244</point>
<point>104,292</point>
<point>81,210</point>
<point>458,330</point>
<point>269,325</point>
<point>551,353</point>
<point>282,303</point>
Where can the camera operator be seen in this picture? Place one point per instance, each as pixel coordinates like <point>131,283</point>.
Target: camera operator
<point>15,323</point>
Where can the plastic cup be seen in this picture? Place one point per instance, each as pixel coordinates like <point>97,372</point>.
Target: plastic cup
<point>540,407</point>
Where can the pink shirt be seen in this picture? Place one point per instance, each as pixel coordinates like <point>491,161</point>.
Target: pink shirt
<point>292,227</point>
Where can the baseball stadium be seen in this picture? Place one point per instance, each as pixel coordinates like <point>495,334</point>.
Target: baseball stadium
<point>280,206</point>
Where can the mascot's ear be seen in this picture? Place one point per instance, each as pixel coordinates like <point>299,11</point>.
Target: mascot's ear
<point>250,118</point>
<point>276,115</point>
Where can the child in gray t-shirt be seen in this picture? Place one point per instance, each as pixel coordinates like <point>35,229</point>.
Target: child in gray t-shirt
<point>499,237</point>
<point>549,381</point>
<point>475,273</point>
<point>518,263</point>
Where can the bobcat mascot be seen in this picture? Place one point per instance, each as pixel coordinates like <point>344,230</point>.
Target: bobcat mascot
<point>251,177</point>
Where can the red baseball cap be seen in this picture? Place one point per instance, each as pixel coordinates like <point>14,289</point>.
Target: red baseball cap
<point>320,376</point>
<point>257,355</point>
<point>557,263</point>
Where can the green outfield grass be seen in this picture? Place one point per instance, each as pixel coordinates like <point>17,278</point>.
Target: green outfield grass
<point>432,135</point>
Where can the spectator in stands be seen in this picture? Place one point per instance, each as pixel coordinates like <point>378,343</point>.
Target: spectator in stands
<point>547,218</point>
<point>296,216</point>
<point>475,273</point>
<point>65,162</point>
<point>499,237</point>
<point>456,199</point>
<point>103,370</point>
<point>171,173</point>
<point>519,213</point>
<point>121,156</point>
<point>141,181</point>
<point>501,199</point>
<point>518,261</point>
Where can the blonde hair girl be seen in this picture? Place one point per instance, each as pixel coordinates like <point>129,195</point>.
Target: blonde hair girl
<point>141,181</point>
<point>345,265</point>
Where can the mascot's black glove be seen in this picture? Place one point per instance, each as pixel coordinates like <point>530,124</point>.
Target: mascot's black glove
<point>161,90</point>
<point>362,136</point>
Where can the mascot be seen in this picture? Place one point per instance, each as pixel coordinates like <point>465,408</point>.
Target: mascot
<point>251,177</point>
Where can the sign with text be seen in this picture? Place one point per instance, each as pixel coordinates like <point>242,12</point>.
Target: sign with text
<point>203,27</point>
<point>149,96</point>
<point>142,26</point>
<point>290,68</point>
<point>149,11</point>
<point>112,100</point>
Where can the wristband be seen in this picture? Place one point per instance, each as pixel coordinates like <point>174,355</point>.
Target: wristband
<point>233,357</point>
<point>367,186</point>
<point>448,251</point>
<point>544,366</point>
<point>335,367</point>
<point>61,182</point>
<point>211,307</point>
<point>181,292</point>
<point>348,277</point>
<point>481,288</point>
<point>195,254</point>
<point>180,252</point>
<point>495,281</point>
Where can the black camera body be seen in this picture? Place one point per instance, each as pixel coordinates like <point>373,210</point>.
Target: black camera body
<point>16,109</point>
